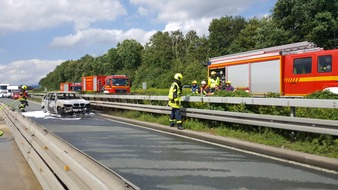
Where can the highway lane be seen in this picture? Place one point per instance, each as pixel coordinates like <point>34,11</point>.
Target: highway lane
<point>154,160</point>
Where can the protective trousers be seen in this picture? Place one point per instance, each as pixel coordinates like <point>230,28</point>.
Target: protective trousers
<point>175,116</point>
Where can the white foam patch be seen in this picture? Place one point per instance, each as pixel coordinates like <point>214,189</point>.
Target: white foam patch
<point>47,115</point>
<point>36,114</point>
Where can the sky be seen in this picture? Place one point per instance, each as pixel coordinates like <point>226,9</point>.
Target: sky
<point>38,35</point>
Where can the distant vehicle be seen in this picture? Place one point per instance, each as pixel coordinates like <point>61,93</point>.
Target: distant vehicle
<point>3,90</point>
<point>93,83</point>
<point>64,103</point>
<point>117,84</point>
<point>70,86</point>
<point>15,95</point>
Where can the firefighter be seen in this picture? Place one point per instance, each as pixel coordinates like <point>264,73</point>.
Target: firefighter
<point>175,101</point>
<point>213,82</point>
<point>228,86</point>
<point>205,89</point>
<point>195,88</point>
<point>23,98</point>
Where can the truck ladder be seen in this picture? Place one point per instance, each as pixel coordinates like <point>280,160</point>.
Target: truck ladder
<point>287,49</point>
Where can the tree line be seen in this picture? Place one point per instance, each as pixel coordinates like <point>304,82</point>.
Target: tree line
<point>167,53</point>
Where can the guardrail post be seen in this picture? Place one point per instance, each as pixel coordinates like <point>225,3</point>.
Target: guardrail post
<point>292,111</point>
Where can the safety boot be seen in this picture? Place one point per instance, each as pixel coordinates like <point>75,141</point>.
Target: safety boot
<point>180,127</point>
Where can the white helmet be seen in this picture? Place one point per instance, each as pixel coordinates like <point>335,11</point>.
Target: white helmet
<point>203,82</point>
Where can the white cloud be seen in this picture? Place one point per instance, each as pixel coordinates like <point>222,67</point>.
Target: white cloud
<point>26,72</point>
<point>143,11</point>
<point>177,10</point>
<point>100,36</point>
<point>22,15</point>
<point>200,26</point>
<point>191,14</point>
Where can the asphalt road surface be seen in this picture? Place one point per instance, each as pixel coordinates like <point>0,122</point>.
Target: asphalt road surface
<point>155,160</point>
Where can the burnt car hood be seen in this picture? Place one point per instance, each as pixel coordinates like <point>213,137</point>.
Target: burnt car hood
<point>75,101</point>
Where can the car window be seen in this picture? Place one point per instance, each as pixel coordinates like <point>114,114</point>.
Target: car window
<point>48,96</point>
<point>66,96</point>
<point>61,96</point>
<point>52,96</point>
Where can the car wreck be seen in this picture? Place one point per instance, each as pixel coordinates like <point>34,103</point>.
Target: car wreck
<point>64,103</point>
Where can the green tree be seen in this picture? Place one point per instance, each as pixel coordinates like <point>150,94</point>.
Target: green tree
<point>223,32</point>
<point>325,29</point>
<point>268,34</point>
<point>307,19</point>
<point>129,53</point>
<point>156,61</point>
<point>245,40</point>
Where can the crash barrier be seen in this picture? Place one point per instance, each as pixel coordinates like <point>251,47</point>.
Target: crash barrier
<point>319,126</point>
<point>284,102</point>
<point>57,164</point>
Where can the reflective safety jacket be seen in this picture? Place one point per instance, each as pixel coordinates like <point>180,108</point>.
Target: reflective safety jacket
<point>23,95</point>
<point>174,95</point>
<point>213,82</point>
<point>195,89</point>
<point>205,90</point>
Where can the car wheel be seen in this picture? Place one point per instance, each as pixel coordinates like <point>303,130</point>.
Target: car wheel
<point>60,111</point>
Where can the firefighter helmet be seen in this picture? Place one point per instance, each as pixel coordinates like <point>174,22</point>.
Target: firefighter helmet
<point>213,72</point>
<point>203,82</point>
<point>24,87</point>
<point>194,82</point>
<point>228,82</point>
<point>178,76</point>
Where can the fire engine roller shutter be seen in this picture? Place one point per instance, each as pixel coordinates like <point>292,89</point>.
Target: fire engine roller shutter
<point>265,77</point>
<point>84,84</point>
<point>95,83</point>
<point>238,75</point>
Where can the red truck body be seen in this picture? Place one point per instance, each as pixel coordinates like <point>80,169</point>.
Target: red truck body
<point>291,70</point>
<point>93,83</point>
<point>65,86</point>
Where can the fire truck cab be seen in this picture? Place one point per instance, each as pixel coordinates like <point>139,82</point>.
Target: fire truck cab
<point>294,69</point>
<point>306,73</point>
<point>117,84</point>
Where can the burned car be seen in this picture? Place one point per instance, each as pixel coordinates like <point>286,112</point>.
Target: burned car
<point>64,103</point>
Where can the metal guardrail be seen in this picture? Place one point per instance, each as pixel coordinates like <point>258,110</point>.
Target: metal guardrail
<point>319,126</point>
<point>288,102</point>
<point>281,122</point>
<point>57,164</point>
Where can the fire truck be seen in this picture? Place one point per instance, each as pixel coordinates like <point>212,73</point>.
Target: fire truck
<point>70,86</point>
<point>294,69</point>
<point>117,84</point>
<point>93,83</point>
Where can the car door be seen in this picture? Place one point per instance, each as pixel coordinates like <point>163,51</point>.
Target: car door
<point>298,76</point>
<point>51,106</point>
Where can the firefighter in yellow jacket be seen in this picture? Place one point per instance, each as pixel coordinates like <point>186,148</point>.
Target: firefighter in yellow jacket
<point>175,101</point>
<point>23,98</point>
<point>213,82</point>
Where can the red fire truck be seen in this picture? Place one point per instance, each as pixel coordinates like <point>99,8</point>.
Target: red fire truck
<point>70,86</point>
<point>117,84</point>
<point>295,69</point>
<point>65,86</point>
<point>93,83</point>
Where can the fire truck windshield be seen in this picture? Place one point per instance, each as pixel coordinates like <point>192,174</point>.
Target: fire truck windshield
<point>120,82</point>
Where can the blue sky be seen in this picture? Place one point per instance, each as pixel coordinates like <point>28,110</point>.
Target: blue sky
<point>38,35</point>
